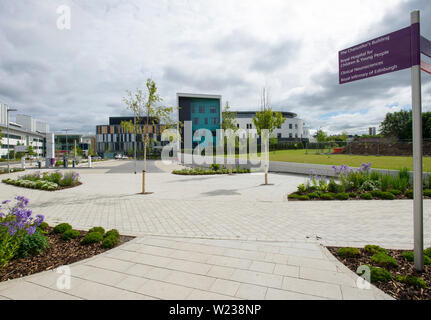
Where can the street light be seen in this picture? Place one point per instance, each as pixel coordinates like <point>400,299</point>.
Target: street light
<point>7,114</point>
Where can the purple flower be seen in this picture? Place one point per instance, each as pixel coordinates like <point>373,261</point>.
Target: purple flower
<point>5,201</point>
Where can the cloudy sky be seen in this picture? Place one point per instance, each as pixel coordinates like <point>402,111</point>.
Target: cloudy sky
<point>76,78</point>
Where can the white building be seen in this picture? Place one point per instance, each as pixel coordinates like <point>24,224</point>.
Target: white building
<point>24,131</point>
<point>292,129</point>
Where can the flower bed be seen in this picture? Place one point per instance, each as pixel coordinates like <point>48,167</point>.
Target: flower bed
<point>360,184</point>
<point>213,170</point>
<point>28,245</point>
<point>46,181</point>
<point>392,271</point>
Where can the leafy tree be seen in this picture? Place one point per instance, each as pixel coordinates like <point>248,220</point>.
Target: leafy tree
<point>321,136</point>
<point>229,121</point>
<point>148,105</point>
<point>268,119</point>
<point>399,125</point>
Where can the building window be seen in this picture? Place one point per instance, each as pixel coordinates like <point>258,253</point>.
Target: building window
<point>193,109</point>
<point>290,135</point>
<point>206,120</point>
<point>296,126</point>
<point>213,109</point>
<point>290,126</point>
<point>195,120</point>
<point>296,135</point>
<point>201,109</point>
<point>214,121</point>
<point>279,135</point>
<point>237,125</point>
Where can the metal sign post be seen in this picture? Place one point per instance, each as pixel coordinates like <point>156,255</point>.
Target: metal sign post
<point>417,143</point>
<point>389,53</point>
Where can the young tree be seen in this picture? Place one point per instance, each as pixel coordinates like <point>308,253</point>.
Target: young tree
<point>229,121</point>
<point>268,119</point>
<point>148,105</point>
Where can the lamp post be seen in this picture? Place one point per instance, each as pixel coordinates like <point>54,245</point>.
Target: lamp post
<point>7,116</point>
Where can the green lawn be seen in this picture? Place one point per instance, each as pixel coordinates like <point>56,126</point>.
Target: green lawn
<point>381,162</point>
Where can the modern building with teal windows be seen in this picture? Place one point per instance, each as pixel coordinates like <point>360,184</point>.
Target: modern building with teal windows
<point>203,110</point>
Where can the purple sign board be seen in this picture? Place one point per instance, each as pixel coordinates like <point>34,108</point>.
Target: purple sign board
<point>389,53</point>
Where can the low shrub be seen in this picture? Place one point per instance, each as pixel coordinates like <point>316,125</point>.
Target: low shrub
<point>427,252</point>
<point>352,195</point>
<point>62,227</point>
<point>70,234</point>
<point>302,188</point>
<point>110,242</point>
<point>112,233</point>
<point>373,249</point>
<point>412,280</point>
<point>348,252</point>
<point>410,256</point>
<point>383,195</point>
<point>342,196</point>
<point>332,186</point>
<point>314,195</point>
<point>97,229</point>
<point>427,192</point>
<point>379,274</point>
<point>366,196</point>
<point>32,245</point>
<point>384,260</point>
<point>396,192</point>
<point>327,196</point>
<point>43,226</point>
<point>295,196</point>
<point>215,166</point>
<point>92,237</point>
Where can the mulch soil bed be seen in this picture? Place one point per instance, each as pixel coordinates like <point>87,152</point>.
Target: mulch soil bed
<point>60,253</point>
<point>77,184</point>
<point>397,290</point>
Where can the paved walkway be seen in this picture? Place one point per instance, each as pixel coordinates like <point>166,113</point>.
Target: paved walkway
<point>160,268</point>
<point>192,213</point>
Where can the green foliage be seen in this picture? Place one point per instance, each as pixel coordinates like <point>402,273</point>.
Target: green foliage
<point>110,242</point>
<point>267,119</point>
<point>321,136</point>
<point>412,280</point>
<point>384,260</point>
<point>328,196</point>
<point>202,171</point>
<point>410,256</point>
<point>379,274</point>
<point>70,234</point>
<point>368,185</point>
<point>32,245</point>
<point>396,192</point>
<point>342,196</point>
<point>352,195</point>
<point>427,192</point>
<point>332,186</point>
<point>295,196</point>
<point>229,118</point>
<point>400,183</point>
<point>92,237</point>
<point>373,249</point>
<point>43,226</point>
<point>384,182</point>
<point>97,229</point>
<point>366,196</point>
<point>215,166</point>
<point>397,124</point>
<point>62,227</point>
<point>112,233</point>
<point>383,195</point>
<point>302,188</point>
<point>314,195</point>
<point>404,173</point>
<point>348,252</point>
<point>427,252</point>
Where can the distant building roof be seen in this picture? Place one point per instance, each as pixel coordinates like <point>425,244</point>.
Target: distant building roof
<point>249,114</point>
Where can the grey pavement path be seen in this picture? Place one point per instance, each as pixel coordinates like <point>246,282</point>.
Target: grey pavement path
<point>150,267</point>
<point>189,213</point>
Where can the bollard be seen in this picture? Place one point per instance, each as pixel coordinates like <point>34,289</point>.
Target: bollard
<point>266,174</point>
<point>89,161</point>
<point>143,181</point>
<point>73,163</point>
<point>22,163</point>
<point>230,169</point>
